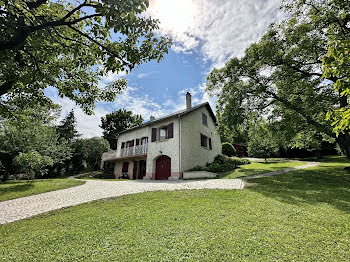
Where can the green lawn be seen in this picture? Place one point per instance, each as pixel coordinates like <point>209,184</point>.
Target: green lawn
<point>302,216</point>
<point>20,188</point>
<point>258,168</point>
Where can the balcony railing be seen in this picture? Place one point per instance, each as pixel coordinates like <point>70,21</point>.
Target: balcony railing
<point>134,150</point>
<point>109,155</point>
<point>125,152</point>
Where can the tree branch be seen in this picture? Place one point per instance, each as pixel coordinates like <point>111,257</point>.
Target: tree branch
<point>24,32</point>
<point>36,4</point>
<point>73,11</point>
<point>69,39</point>
<point>100,45</point>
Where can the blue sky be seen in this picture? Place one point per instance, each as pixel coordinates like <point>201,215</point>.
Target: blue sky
<point>206,33</point>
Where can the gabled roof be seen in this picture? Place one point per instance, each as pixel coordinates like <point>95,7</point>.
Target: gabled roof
<point>176,114</point>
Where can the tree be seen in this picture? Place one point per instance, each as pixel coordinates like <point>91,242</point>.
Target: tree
<point>70,45</point>
<point>32,164</point>
<point>261,141</point>
<point>68,133</point>
<point>281,75</point>
<point>67,128</point>
<point>116,122</point>
<point>336,63</point>
<point>27,135</point>
<point>93,148</point>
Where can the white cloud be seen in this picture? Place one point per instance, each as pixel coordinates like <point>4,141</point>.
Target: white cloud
<point>219,28</point>
<point>143,75</point>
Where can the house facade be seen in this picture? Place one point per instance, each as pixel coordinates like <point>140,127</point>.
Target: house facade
<point>163,148</point>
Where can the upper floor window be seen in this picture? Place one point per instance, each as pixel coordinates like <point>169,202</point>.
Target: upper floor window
<point>163,133</point>
<point>204,119</point>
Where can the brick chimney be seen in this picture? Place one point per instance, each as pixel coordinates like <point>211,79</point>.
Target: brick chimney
<point>188,101</point>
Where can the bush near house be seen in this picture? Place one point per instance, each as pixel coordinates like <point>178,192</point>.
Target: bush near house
<point>222,163</point>
<point>228,149</point>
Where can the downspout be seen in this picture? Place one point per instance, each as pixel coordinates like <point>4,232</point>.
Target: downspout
<point>180,146</point>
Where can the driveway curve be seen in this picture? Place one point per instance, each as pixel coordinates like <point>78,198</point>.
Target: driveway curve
<point>25,207</point>
<point>20,208</point>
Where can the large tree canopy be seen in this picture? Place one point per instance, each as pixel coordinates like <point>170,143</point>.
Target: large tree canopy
<point>70,45</point>
<point>281,75</point>
<point>116,122</point>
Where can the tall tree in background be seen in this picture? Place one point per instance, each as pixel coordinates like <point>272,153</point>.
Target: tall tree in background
<point>70,45</point>
<point>281,75</point>
<point>68,133</point>
<point>67,128</point>
<point>118,121</point>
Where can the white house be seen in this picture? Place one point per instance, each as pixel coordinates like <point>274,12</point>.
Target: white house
<point>163,148</point>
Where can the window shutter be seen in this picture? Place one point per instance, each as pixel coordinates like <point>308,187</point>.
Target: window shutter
<point>171,130</point>
<point>137,141</point>
<point>202,140</point>
<point>123,145</point>
<point>210,143</point>
<point>154,134</point>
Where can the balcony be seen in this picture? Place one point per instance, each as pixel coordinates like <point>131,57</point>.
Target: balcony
<point>125,152</point>
<point>133,151</point>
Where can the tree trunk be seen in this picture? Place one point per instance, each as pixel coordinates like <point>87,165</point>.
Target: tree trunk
<point>343,141</point>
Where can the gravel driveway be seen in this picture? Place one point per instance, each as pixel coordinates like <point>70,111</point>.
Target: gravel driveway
<point>25,207</point>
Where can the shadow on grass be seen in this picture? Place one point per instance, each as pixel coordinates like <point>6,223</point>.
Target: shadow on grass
<point>242,172</point>
<point>15,186</point>
<point>329,184</point>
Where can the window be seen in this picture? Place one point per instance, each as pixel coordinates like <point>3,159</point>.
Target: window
<point>204,119</point>
<point>163,133</point>
<point>206,142</point>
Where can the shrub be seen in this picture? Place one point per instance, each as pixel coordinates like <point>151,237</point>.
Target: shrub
<point>237,161</point>
<point>216,167</point>
<point>222,163</point>
<point>228,149</point>
<point>220,159</point>
<point>32,164</point>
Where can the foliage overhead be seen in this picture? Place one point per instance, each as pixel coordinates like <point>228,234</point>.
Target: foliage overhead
<point>281,75</point>
<point>336,63</point>
<point>70,46</point>
<point>116,122</point>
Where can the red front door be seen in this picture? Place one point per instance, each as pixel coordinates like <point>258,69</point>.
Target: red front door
<point>163,168</point>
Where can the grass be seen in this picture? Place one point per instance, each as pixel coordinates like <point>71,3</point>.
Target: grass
<point>258,168</point>
<point>302,216</point>
<point>20,188</point>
